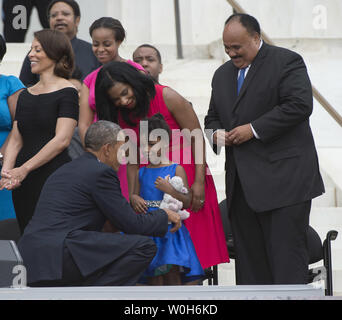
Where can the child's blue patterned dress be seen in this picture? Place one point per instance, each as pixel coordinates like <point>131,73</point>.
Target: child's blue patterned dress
<point>174,248</point>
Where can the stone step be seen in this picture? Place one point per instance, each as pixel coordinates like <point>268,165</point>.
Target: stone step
<point>226,276</point>
<point>322,220</point>
<point>325,219</point>
<point>191,78</point>
<point>337,282</point>
<point>221,195</point>
<point>200,105</point>
<point>328,199</point>
<point>216,165</point>
<point>324,201</point>
<point>328,182</point>
<point>10,68</point>
<point>188,87</point>
<point>14,57</point>
<point>330,160</point>
<point>226,273</point>
<point>196,68</point>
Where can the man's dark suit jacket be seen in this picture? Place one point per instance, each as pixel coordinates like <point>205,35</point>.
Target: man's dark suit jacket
<point>74,204</point>
<point>280,169</point>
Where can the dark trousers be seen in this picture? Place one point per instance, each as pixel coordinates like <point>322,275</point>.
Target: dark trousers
<point>12,14</point>
<point>270,246</point>
<point>124,271</point>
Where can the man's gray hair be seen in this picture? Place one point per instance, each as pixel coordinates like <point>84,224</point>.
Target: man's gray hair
<point>101,133</point>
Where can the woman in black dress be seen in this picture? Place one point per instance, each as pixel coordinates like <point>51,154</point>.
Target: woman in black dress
<point>44,123</point>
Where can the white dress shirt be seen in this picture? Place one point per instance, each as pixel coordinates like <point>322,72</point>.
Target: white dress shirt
<point>246,71</point>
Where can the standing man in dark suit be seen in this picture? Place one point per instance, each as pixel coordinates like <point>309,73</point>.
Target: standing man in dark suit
<point>63,245</point>
<point>259,110</point>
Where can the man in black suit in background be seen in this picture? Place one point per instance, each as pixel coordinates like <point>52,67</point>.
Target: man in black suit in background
<point>63,244</point>
<point>259,110</point>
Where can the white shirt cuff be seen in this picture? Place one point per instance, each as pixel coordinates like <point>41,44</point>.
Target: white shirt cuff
<point>254,132</point>
<point>219,142</point>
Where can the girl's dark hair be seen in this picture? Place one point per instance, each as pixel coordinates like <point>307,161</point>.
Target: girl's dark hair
<point>109,23</point>
<point>3,47</point>
<point>58,48</point>
<point>157,121</point>
<point>73,4</point>
<point>142,86</point>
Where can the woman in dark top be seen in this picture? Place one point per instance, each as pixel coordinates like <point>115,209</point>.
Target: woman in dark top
<point>44,123</point>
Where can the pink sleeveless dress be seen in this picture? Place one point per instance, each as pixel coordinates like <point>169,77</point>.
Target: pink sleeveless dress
<point>205,226</point>
<point>90,81</point>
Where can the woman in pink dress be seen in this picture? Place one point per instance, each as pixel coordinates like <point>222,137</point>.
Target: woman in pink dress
<point>107,35</point>
<point>126,96</point>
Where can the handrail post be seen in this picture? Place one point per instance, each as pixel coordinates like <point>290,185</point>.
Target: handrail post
<point>178,31</point>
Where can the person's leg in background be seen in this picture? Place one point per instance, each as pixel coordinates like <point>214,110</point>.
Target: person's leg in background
<point>42,6</point>
<point>16,19</point>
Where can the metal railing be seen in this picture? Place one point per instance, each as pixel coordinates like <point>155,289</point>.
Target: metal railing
<point>178,30</point>
<point>317,95</point>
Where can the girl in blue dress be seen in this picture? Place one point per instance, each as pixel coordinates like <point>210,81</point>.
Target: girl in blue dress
<point>176,261</point>
<point>10,88</point>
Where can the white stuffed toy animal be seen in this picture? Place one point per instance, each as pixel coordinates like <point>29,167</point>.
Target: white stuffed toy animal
<point>173,204</point>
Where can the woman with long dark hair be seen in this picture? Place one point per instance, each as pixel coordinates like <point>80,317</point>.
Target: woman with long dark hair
<point>126,96</point>
<point>45,120</point>
<point>107,35</point>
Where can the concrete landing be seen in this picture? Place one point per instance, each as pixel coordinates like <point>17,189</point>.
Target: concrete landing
<point>284,292</point>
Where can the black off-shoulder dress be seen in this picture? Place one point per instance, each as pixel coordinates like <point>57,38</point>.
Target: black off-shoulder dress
<point>37,116</point>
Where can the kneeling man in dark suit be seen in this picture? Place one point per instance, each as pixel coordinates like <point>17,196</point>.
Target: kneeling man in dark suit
<point>64,245</point>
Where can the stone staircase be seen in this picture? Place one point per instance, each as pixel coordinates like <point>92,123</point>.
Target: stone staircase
<point>192,79</point>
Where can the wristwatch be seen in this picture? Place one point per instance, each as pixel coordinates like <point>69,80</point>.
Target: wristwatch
<point>1,159</point>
